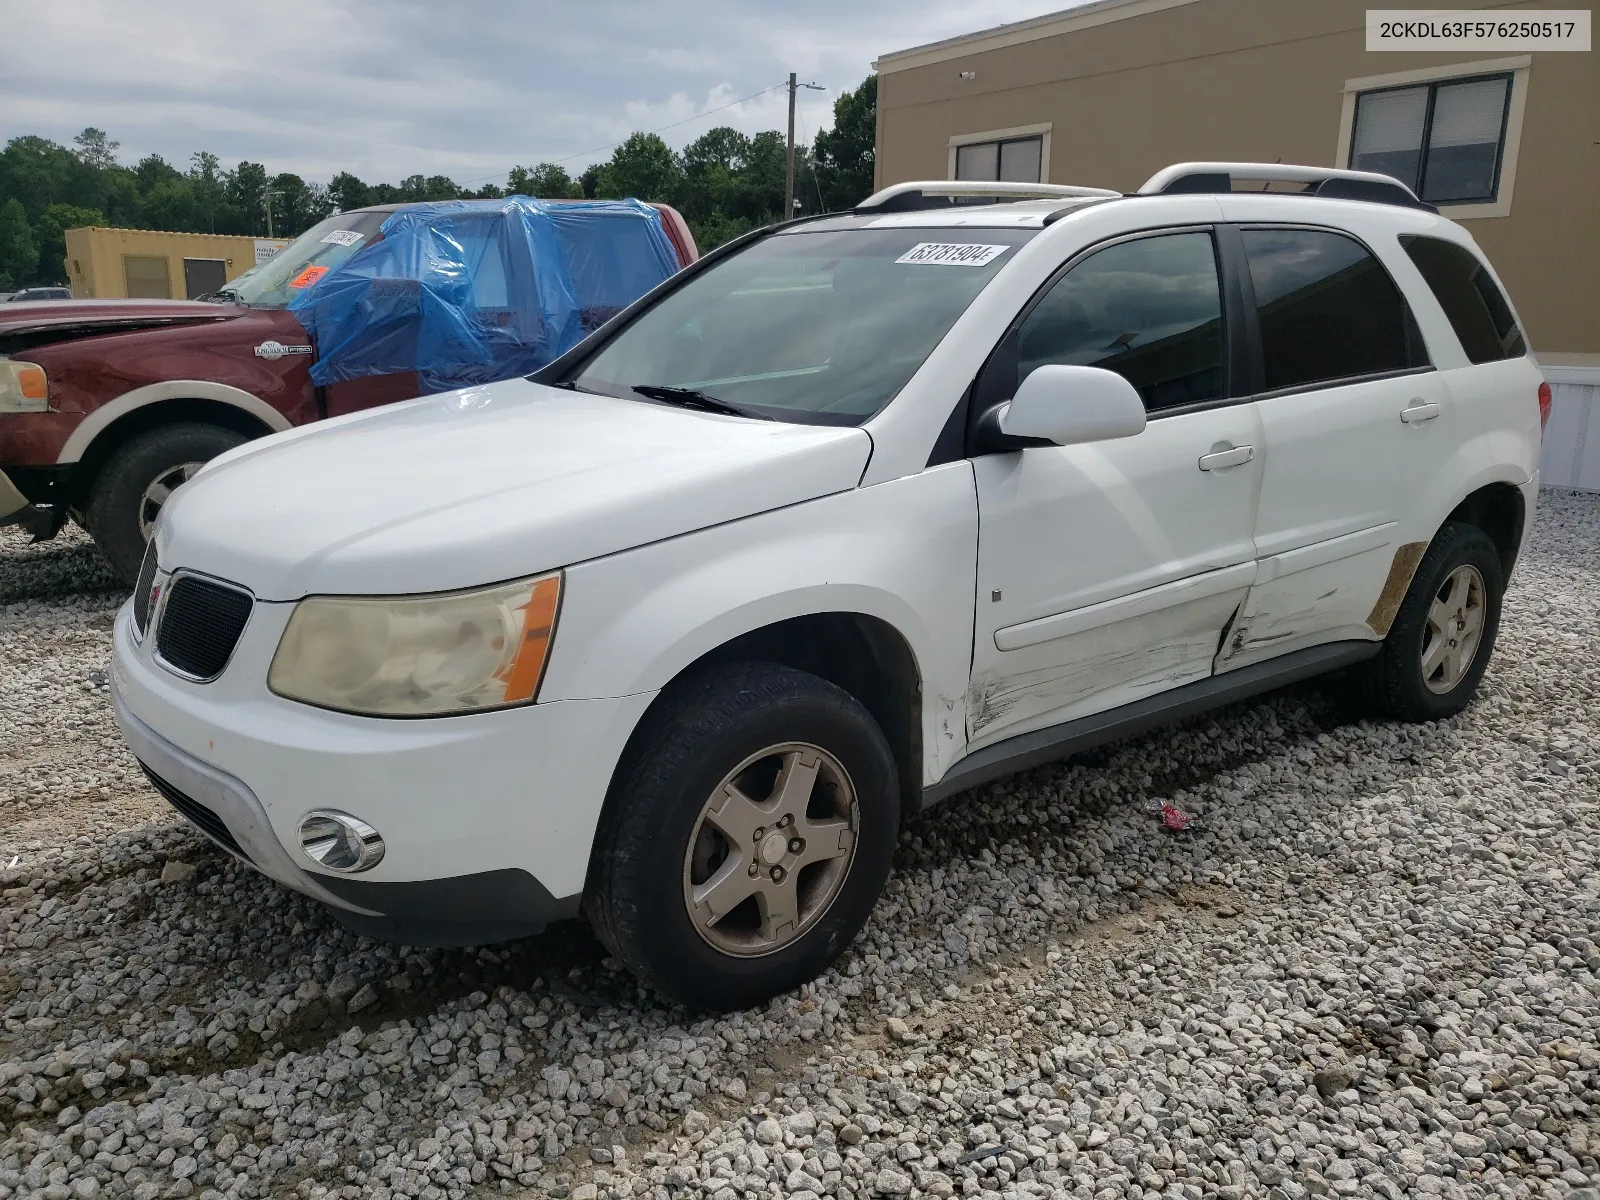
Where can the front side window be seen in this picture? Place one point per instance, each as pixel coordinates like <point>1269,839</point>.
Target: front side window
<point>819,327</point>
<point>1326,307</point>
<point>1445,141</point>
<point>1150,310</point>
<point>1471,299</point>
<point>1013,160</point>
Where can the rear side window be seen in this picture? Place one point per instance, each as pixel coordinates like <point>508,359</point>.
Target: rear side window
<point>1150,310</point>
<point>1327,309</point>
<point>1476,307</point>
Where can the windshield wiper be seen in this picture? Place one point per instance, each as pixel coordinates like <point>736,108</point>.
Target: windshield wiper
<point>689,398</point>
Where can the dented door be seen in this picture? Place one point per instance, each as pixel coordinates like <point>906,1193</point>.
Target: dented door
<point>1109,572</point>
<point>1356,425</point>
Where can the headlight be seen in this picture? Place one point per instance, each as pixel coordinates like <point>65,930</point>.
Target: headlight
<point>23,387</point>
<point>421,655</point>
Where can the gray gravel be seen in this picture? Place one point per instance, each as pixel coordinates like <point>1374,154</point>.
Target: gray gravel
<point>1372,970</point>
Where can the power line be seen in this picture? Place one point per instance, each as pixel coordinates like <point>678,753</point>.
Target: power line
<point>659,129</point>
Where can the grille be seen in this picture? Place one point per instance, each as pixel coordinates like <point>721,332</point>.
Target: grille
<point>200,624</point>
<point>210,824</point>
<point>141,590</point>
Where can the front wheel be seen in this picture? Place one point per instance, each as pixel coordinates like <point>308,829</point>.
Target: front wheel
<point>749,835</point>
<point>1439,645</point>
<point>137,480</point>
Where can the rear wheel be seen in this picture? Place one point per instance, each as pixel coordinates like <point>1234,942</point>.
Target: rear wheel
<point>137,480</point>
<point>749,837</point>
<point>1439,645</point>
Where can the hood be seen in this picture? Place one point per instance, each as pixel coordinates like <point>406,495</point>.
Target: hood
<point>35,322</point>
<point>486,484</point>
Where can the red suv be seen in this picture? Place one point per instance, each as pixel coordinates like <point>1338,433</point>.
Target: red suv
<point>107,405</point>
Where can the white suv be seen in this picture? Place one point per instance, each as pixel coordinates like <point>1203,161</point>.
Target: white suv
<point>852,515</point>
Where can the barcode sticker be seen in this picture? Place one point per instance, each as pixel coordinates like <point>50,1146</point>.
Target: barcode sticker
<point>952,254</point>
<point>343,237</point>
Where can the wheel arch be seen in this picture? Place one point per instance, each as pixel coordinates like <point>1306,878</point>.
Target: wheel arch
<point>863,654</point>
<point>169,401</point>
<point>1500,510</point>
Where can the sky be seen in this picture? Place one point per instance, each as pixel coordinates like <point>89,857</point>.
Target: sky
<point>464,88</point>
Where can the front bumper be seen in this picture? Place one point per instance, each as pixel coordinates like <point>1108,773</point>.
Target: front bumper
<point>488,819</point>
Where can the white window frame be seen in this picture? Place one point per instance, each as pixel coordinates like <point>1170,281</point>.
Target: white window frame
<point>1519,67</point>
<point>1042,132</point>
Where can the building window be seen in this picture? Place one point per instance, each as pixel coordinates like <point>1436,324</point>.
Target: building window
<point>1015,160</point>
<point>146,277</point>
<point>1445,140</point>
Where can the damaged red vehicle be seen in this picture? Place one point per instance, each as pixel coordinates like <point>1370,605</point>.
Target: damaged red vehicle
<point>108,405</point>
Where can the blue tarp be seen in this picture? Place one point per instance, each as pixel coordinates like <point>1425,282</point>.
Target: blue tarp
<point>472,291</point>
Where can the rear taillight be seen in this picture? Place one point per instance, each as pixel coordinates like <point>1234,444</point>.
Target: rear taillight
<point>1544,405</point>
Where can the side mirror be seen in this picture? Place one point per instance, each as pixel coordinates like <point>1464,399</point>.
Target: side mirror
<point>1068,406</point>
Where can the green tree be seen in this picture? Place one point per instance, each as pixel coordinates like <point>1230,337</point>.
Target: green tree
<point>50,231</point>
<point>211,202</point>
<point>38,172</point>
<point>643,167</point>
<point>348,192</point>
<point>245,187</point>
<point>547,181</point>
<point>95,149</point>
<point>171,204</point>
<point>712,174</point>
<point>844,155</point>
<point>19,253</point>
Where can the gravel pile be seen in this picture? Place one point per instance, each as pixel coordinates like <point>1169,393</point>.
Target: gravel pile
<point>1370,968</point>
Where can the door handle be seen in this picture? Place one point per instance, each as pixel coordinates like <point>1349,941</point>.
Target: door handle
<point>1221,460</point>
<point>1419,412</point>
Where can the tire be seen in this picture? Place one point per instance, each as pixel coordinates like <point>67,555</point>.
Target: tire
<point>1459,576</point>
<point>659,845</point>
<point>119,507</point>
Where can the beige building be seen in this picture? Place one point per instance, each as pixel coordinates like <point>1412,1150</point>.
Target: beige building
<point>1108,93</point>
<point>155,264</point>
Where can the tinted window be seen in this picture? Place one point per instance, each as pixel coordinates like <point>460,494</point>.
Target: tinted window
<point>1327,308</point>
<point>1150,310</point>
<point>1466,291</point>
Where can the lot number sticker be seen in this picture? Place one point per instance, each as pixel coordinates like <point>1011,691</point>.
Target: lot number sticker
<point>343,237</point>
<point>952,254</point>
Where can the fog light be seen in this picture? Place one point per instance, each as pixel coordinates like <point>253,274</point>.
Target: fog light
<point>340,842</point>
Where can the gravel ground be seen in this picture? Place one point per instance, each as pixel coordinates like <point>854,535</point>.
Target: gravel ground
<point>1371,970</point>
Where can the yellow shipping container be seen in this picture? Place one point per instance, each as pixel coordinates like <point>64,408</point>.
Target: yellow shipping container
<point>150,263</point>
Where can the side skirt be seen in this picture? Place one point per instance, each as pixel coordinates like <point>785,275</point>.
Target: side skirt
<point>1072,737</point>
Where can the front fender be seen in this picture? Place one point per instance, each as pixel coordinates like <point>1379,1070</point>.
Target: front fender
<point>904,552</point>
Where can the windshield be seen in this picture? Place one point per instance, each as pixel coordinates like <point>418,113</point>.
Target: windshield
<point>305,260</point>
<point>816,327</point>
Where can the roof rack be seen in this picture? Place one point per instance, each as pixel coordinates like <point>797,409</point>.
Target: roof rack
<point>943,193</point>
<point>1327,182</point>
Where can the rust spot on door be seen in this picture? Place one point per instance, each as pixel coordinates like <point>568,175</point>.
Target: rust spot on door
<point>1401,570</point>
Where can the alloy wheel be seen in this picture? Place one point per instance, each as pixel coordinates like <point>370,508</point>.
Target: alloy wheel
<point>771,849</point>
<point>1454,629</point>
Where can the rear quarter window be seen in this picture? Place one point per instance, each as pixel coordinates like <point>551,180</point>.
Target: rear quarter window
<point>1472,301</point>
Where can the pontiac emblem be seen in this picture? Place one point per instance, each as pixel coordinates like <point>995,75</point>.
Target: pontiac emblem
<point>272,351</point>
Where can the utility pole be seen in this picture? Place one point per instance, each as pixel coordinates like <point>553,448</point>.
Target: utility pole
<point>266,199</point>
<point>788,173</point>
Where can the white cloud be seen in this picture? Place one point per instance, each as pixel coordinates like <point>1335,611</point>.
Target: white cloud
<point>400,87</point>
